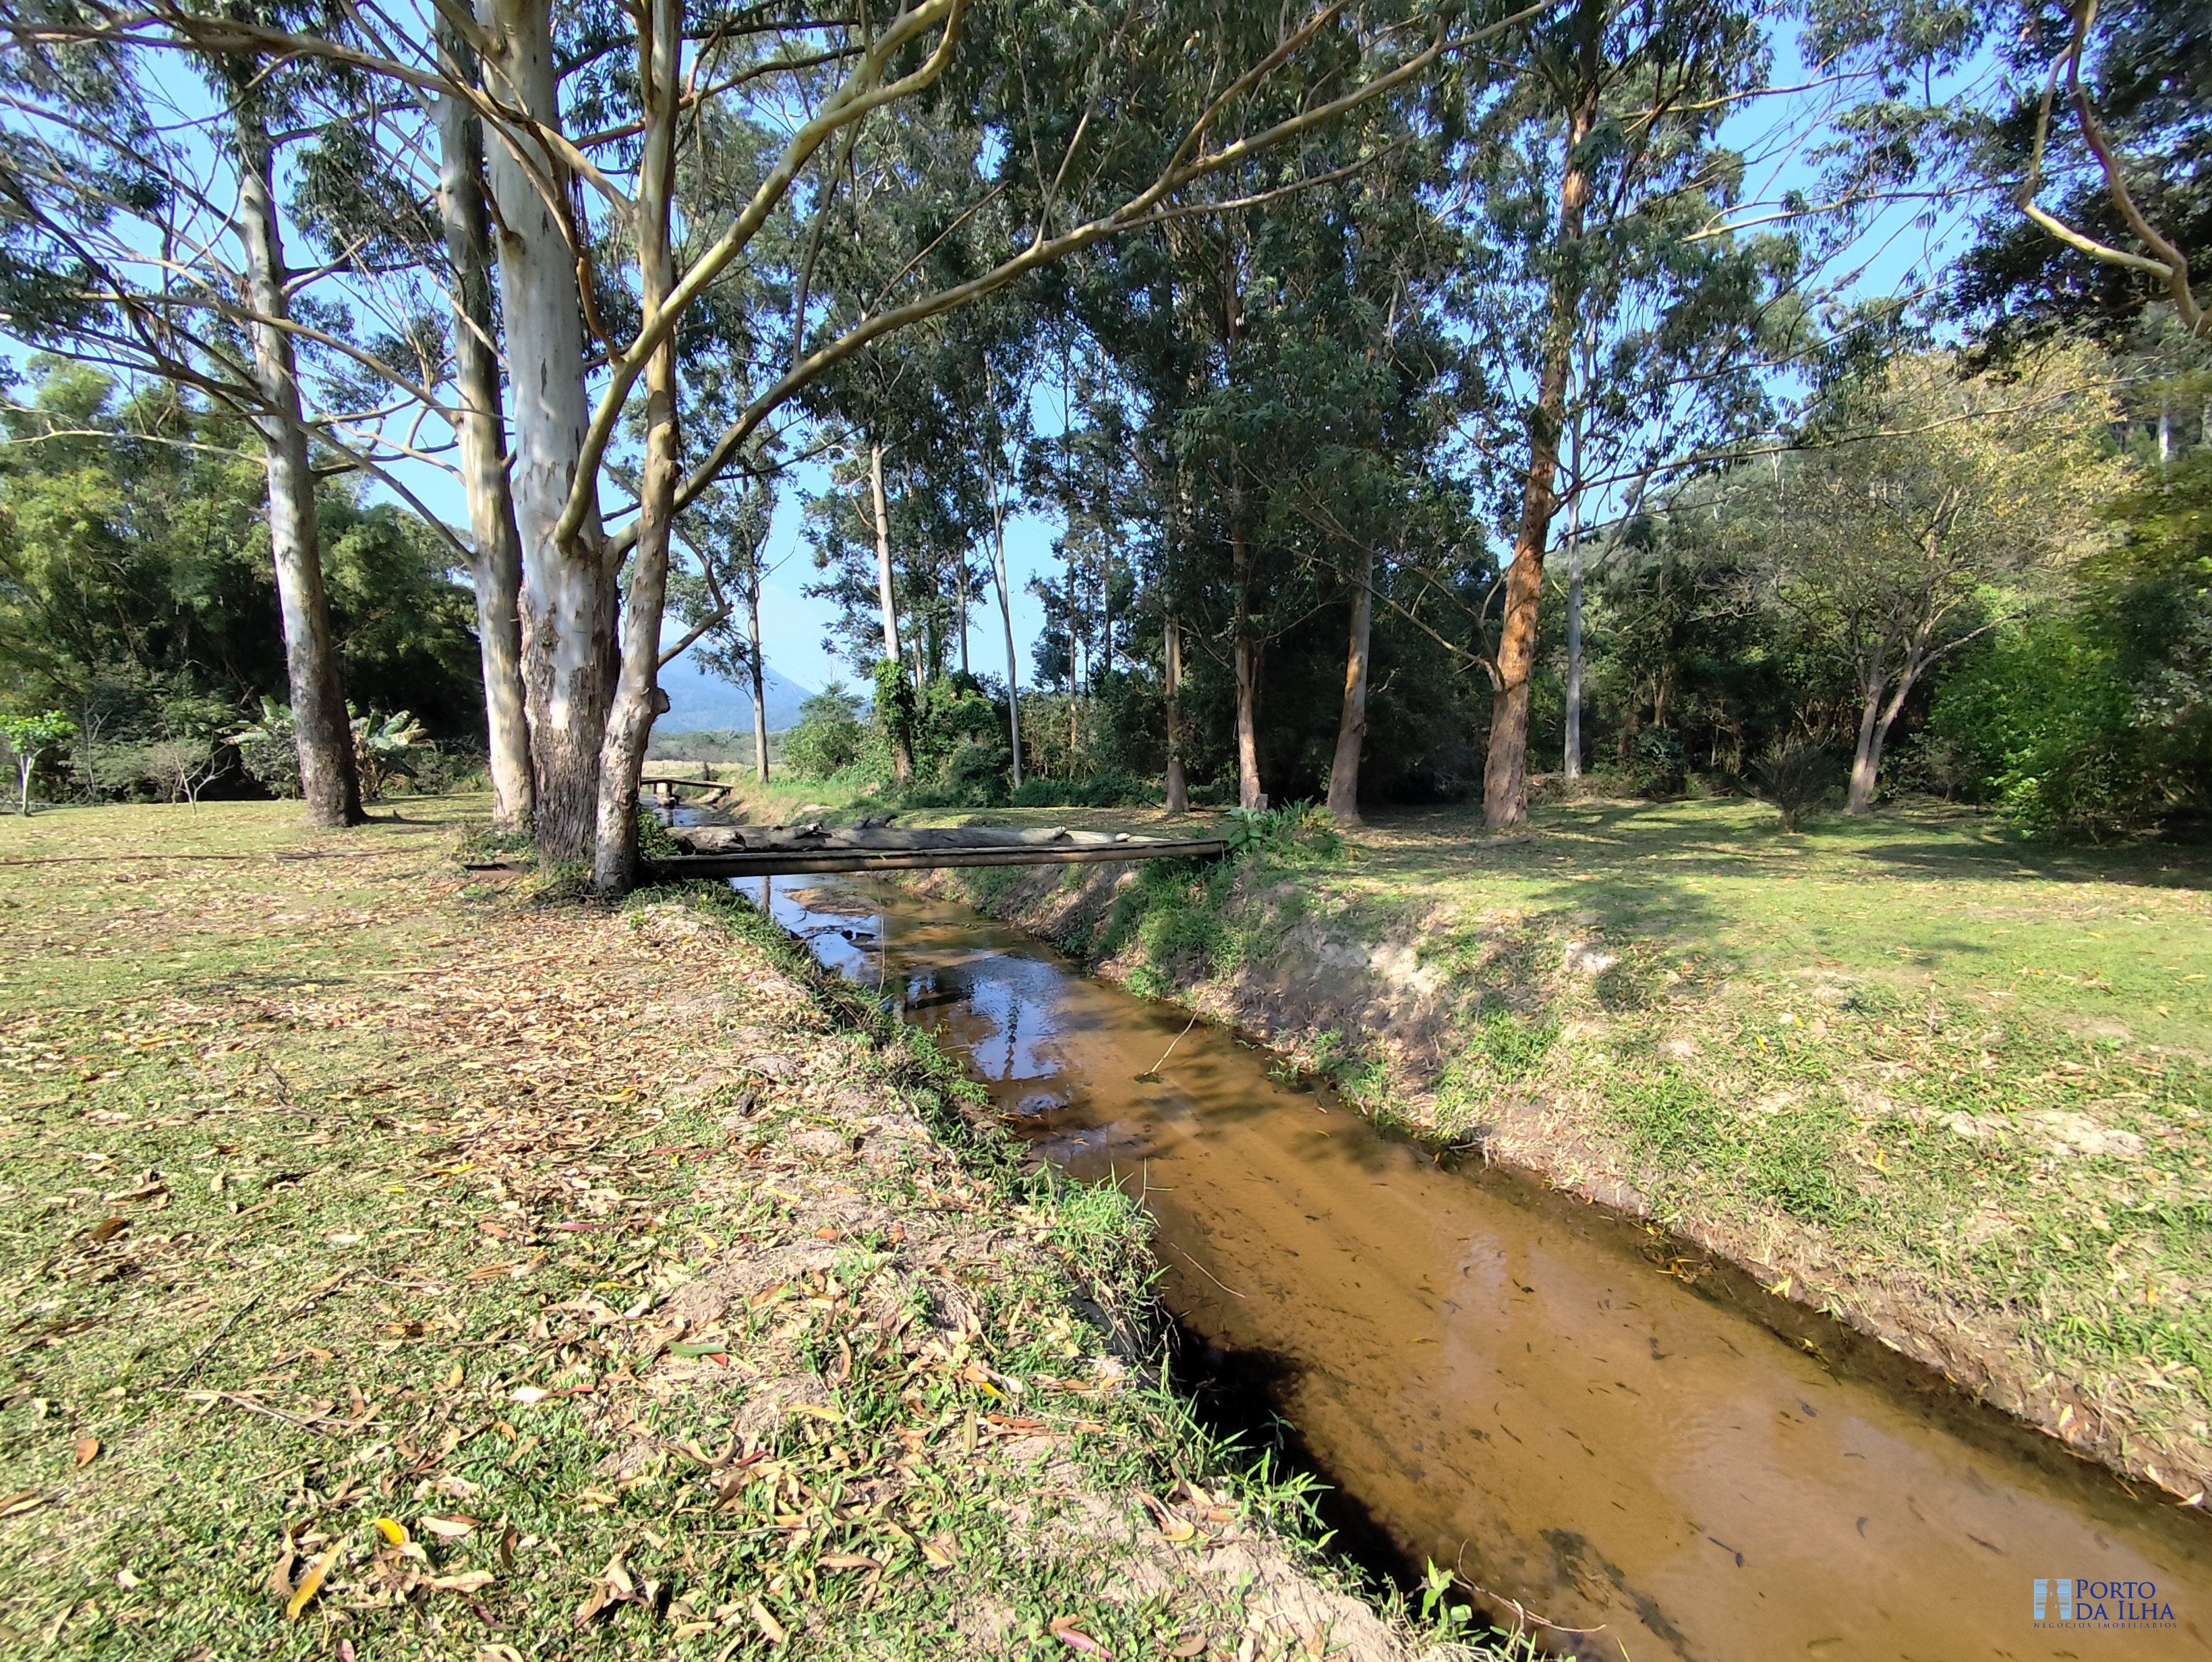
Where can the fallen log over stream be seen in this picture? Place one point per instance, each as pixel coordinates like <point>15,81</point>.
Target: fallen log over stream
<point>725,851</point>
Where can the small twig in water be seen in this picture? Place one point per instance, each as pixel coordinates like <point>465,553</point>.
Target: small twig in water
<point>1204,1271</point>
<point>1153,1071</point>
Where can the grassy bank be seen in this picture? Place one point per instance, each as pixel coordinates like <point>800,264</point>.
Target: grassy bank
<point>1950,1087</point>
<point>401,1262</point>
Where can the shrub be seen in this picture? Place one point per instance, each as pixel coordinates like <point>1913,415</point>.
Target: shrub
<point>270,751</point>
<point>828,737</point>
<point>385,748</point>
<point>1102,790</point>
<point>1296,833</point>
<point>1657,764</point>
<point>1797,776</point>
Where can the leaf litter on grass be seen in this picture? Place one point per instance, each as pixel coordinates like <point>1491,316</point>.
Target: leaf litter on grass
<point>485,1277</point>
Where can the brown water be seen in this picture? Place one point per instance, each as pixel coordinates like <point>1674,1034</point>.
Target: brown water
<point>1503,1381</point>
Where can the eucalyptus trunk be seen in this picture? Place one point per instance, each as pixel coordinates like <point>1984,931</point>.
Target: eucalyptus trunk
<point>569,602</point>
<point>1007,619</point>
<point>1178,785</point>
<point>496,567</point>
<point>1573,758</point>
<point>760,679</point>
<point>886,597</point>
<point>1244,652</point>
<point>1352,724</point>
<point>1505,766</point>
<point>329,782</point>
<point>637,692</point>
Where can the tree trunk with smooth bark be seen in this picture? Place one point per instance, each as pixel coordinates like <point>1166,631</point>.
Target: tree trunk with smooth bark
<point>1245,652</point>
<point>1573,758</point>
<point>1178,785</point>
<point>1881,702</point>
<point>1006,619</point>
<point>569,599</point>
<point>886,597</point>
<point>329,781</point>
<point>636,702</point>
<point>1505,765</point>
<point>1352,724</point>
<point>760,680</point>
<point>496,565</point>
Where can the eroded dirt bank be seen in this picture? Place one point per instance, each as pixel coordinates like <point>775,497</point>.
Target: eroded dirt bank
<point>1601,1064</point>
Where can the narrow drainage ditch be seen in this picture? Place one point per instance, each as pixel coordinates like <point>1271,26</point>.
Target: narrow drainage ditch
<point>1499,1381</point>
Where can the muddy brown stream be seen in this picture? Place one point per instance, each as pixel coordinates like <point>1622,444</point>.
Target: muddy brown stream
<point>1502,1382</point>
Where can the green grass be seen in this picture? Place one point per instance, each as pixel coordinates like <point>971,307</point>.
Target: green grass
<point>1914,1067</point>
<point>354,1187</point>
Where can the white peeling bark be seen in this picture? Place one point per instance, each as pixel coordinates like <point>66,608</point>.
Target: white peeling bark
<point>636,701</point>
<point>496,569</point>
<point>323,730</point>
<point>569,603</point>
<point>901,756</point>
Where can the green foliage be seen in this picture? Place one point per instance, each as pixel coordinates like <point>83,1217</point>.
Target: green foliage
<point>896,703</point>
<point>30,737</point>
<point>1450,1618</point>
<point>1296,833</point>
<point>829,737</point>
<point>385,747</point>
<point>1098,791</point>
<point>135,571</point>
<point>1798,776</point>
<point>269,749</point>
<point>653,841</point>
<point>2093,719</point>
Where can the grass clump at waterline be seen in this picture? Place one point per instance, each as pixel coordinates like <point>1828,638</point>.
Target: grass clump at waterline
<point>1948,1085</point>
<point>414,1260</point>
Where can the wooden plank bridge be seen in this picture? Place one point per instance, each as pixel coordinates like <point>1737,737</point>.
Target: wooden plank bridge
<point>727,851</point>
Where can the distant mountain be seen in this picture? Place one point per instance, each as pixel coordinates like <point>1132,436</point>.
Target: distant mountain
<point>698,701</point>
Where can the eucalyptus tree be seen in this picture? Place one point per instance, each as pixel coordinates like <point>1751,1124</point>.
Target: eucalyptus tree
<point>143,235</point>
<point>588,219</point>
<point>1248,340</point>
<point>1607,286</point>
<point>153,228</point>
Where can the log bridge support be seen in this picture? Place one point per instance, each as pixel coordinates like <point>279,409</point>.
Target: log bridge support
<point>727,851</point>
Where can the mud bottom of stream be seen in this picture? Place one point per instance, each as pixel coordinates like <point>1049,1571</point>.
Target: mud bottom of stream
<point>1497,1381</point>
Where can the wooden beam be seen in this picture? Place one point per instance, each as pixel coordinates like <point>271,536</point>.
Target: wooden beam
<point>792,862</point>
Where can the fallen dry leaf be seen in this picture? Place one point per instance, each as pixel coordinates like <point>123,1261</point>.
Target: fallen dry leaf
<point>392,1530</point>
<point>23,1499</point>
<point>88,1449</point>
<point>470,1581</point>
<point>312,1581</point>
<point>449,1529</point>
<point>1065,1630</point>
<point>768,1624</point>
<point>108,1228</point>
